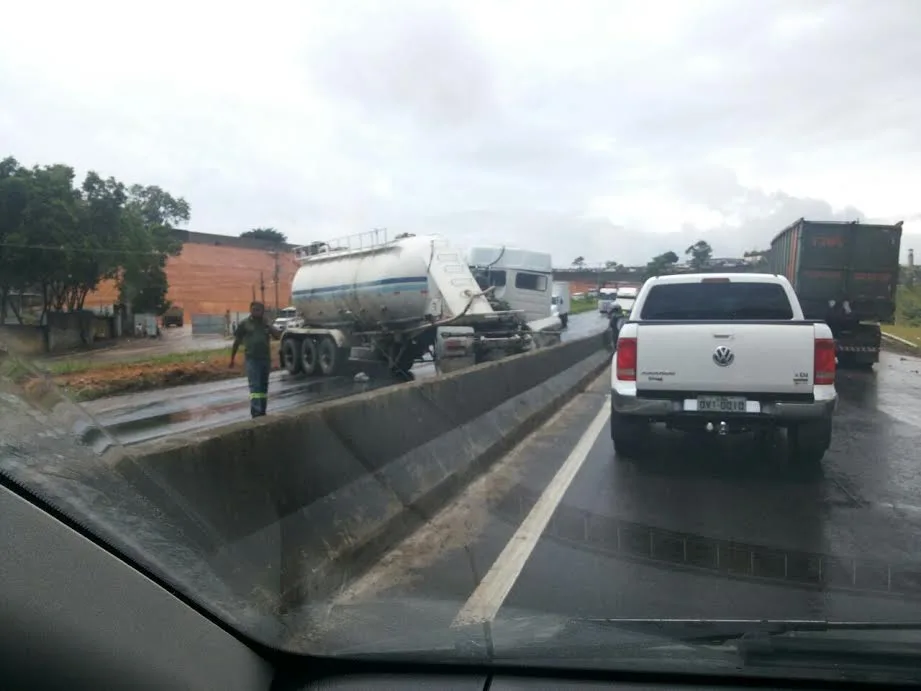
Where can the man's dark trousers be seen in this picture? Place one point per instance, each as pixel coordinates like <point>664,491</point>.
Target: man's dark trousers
<point>257,374</point>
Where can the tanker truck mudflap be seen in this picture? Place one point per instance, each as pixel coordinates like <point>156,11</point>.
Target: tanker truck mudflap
<point>454,348</point>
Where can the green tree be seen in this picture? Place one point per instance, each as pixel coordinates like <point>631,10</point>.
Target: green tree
<point>148,223</point>
<point>579,262</point>
<point>270,234</point>
<point>661,264</point>
<point>56,258</point>
<point>149,292</point>
<point>14,197</point>
<point>699,253</point>
<point>62,241</point>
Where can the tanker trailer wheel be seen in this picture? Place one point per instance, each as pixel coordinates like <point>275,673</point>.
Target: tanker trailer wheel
<point>291,355</point>
<point>330,356</point>
<point>309,356</point>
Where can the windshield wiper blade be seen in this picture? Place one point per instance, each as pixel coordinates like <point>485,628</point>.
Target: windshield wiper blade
<point>723,630</point>
<point>815,647</point>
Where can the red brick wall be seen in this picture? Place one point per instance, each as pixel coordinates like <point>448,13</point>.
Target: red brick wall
<point>210,279</point>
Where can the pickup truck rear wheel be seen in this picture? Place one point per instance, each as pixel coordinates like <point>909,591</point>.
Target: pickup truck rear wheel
<point>808,441</point>
<point>629,434</point>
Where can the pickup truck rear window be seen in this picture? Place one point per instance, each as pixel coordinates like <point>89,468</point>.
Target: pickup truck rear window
<point>717,301</point>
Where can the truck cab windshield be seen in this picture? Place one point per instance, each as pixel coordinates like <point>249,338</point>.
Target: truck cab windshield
<point>717,302</point>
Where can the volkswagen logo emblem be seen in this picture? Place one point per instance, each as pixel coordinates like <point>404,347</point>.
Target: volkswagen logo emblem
<point>723,356</point>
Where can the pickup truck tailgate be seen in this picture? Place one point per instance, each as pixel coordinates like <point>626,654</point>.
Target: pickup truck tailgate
<point>745,358</point>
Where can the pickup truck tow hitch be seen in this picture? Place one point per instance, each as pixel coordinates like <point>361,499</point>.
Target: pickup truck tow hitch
<point>723,428</point>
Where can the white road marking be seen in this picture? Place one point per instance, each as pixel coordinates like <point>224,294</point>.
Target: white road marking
<point>484,603</point>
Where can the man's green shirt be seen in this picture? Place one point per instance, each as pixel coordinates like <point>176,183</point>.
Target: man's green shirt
<point>255,337</point>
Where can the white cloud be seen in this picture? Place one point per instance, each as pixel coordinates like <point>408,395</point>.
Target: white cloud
<point>605,128</point>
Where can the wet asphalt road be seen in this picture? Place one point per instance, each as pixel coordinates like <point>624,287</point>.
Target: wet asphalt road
<point>138,418</point>
<point>696,530</point>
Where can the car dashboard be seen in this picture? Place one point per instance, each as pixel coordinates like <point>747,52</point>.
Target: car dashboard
<point>75,615</point>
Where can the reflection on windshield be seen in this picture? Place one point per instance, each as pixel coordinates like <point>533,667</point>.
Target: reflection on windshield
<point>241,564</point>
<point>242,342</point>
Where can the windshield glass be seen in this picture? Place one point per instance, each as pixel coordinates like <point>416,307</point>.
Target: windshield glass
<point>441,458</point>
<point>717,301</point>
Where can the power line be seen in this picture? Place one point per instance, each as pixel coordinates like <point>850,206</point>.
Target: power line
<point>91,250</point>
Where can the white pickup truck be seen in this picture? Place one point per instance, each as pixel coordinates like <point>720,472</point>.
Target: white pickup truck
<point>723,353</point>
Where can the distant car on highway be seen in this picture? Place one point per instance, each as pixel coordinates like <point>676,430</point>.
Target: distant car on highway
<point>606,298</point>
<point>723,353</point>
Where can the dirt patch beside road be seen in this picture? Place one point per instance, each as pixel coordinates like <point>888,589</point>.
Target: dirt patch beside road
<point>86,382</point>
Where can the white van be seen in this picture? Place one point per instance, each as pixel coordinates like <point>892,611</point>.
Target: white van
<point>606,297</point>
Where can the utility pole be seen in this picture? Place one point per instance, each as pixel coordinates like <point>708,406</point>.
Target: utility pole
<point>262,288</point>
<point>276,277</point>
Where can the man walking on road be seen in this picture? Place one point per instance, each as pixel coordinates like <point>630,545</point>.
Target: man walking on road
<point>255,334</point>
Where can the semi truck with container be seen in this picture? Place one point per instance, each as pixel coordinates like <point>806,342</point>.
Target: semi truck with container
<point>368,298</point>
<point>845,273</point>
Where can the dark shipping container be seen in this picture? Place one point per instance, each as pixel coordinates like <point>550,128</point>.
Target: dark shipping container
<point>837,261</point>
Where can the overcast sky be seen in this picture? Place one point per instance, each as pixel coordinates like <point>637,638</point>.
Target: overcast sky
<point>613,130</point>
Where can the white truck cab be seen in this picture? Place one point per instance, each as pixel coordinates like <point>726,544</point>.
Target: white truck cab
<point>286,317</point>
<point>724,353</point>
<point>522,278</point>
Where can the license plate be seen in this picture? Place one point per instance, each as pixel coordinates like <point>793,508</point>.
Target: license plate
<point>720,404</point>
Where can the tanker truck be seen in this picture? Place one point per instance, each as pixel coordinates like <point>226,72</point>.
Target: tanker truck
<point>846,274</point>
<point>365,297</point>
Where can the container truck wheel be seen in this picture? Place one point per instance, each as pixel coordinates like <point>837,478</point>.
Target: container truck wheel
<point>291,355</point>
<point>564,320</point>
<point>329,356</point>
<point>309,356</point>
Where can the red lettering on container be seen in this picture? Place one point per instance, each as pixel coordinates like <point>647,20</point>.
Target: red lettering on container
<point>874,277</point>
<point>815,273</point>
<point>827,241</point>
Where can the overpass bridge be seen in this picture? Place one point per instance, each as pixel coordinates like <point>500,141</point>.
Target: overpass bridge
<point>625,275</point>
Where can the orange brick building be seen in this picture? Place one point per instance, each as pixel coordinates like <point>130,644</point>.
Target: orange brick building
<point>216,273</point>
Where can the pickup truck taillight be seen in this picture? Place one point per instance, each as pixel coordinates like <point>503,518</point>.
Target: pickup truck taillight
<point>626,359</point>
<point>824,364</point>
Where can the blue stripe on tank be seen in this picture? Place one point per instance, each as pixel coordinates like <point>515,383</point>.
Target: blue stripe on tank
<point>386,285</point>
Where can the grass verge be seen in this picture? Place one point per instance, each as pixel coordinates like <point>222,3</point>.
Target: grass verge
<point>908,316</point>
<point>114,379</point>
<point>580,306</point>
<point>909,333</point>
<point>78,364</point>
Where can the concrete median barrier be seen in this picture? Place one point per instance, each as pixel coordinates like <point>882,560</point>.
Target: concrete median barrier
<point>294,505</point>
